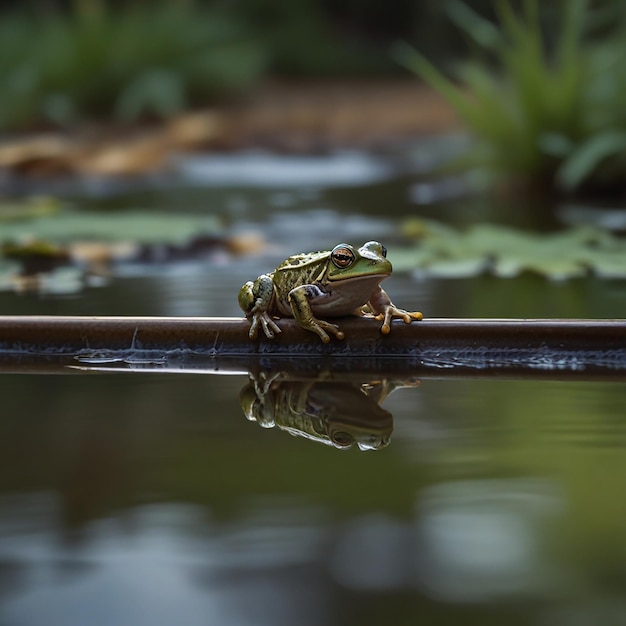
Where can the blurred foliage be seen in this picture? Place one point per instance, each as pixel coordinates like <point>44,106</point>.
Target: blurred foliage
<point>544,97</point>
<point>446,252</point>
<point>127,62</point>
<point>62,61</point>
<point>302,41</point>
<point>544,93</point>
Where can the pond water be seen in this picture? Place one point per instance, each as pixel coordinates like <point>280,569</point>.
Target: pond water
<point>147,498</point>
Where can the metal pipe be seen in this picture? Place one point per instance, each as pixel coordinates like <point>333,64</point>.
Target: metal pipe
<point>461,344</point>
<point>71,334</point>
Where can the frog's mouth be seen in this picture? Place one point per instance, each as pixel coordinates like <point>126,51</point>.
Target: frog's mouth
<point>356,279</point>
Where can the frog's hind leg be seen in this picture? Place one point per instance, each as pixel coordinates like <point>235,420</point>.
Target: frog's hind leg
<point>255,298</point>
<point>246,297</point>
<point>301,308</point>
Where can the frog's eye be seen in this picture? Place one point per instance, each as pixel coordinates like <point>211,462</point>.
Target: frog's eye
<point>341,439</point>
<point>342,256</point>
<point>383,250</point>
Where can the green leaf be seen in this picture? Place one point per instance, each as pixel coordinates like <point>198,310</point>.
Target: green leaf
<point>555,144</point>
<point>507,252</point>
<point>568,44</point>
<point>132,226</point>
<point>481,30</point>
<point>156,91</point>
<point>588,156</point>
<point>417,63</point>
<point>553,102</point>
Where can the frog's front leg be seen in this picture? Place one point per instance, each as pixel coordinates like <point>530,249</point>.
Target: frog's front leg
<point>299,300</point>
<point>255,298</point>
<point>383,308</point>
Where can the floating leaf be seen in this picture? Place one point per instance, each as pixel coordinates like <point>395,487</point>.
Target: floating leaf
<point>8,271</point>
<point>62,281</point>
<point>455,268</point>
<point>507,252</point>
<point>36,206</point>
<point>33,248</point>
<point>134,226</point>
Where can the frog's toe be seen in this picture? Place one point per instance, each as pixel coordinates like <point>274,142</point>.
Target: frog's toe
<point>391,312</point>
<point>270,328</point>
<point>321,327</point>
<point>254,328</point>
<point>334,329</point>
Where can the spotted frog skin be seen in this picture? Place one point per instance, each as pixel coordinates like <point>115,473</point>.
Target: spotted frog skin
<point>315,285</point>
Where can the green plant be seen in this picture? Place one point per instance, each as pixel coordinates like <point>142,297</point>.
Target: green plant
<point>547,111</point>
<point>123,63</point>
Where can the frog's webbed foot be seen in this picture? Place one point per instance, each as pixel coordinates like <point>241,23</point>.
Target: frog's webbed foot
<point>255,298</point>
<point>319,327</point>
<point>378,390</point>
<point>270,328</point>
<point>392,311</point>
<point>263,382</point>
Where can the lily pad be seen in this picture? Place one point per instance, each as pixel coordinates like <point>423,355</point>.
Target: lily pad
<point>607,261</point>
<point>36,206</point>
<point>513,252</point>
<point>506,252</point>
<point>33,249</point>
<point>136,226</point>
<point>457,268</point>
<point>8,272</point>
<point>56,251</point>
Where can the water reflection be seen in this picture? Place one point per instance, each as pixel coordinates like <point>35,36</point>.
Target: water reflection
<point>480,540</point>
<point>147,498</point>
<point>324,408</point>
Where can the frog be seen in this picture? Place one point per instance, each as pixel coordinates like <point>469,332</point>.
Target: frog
<point>332,408</point>
<point>336,413</point>
<point>314,286</point>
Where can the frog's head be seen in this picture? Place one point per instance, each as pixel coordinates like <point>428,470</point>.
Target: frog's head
<point>369,260</point>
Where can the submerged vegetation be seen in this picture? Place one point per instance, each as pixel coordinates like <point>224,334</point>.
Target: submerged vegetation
<point>544,98</point>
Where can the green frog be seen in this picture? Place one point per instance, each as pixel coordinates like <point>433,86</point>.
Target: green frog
<point>336,413</point>
<point>314,285</point>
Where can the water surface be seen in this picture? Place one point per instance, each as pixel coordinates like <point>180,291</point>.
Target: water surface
<point>151,499</point>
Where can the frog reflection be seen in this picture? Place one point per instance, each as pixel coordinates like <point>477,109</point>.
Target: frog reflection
<point>337,413</point>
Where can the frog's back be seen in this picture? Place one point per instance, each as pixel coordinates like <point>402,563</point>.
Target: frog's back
<point>301,269</point>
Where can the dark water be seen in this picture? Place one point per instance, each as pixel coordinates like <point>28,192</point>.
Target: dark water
<point>151,499</point>
<point>148,499</point>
